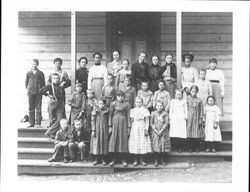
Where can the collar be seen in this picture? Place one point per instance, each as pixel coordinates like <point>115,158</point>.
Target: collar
<point>97,64</point>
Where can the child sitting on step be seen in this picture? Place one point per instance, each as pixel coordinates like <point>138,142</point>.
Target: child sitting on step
<point>64,140</point>
<point>80,140</point>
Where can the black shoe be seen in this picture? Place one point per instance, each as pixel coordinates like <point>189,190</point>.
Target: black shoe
<point>104,162</point>
<point>190,150</point>
<point>197,150</point>
<point>179,150</point>
<point>135,162</point>
<point>124,163</point>
<point>156,162</point>
<point>95,162</point>
<point>214,150</point>
<point>207,150</point>
<point>72,160</point>
<point>143,162</point>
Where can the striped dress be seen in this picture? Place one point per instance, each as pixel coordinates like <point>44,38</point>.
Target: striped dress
<point>195,112</point>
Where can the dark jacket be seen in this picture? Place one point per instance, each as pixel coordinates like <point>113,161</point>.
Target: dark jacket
<point>139,73</point>
<point>33,82</point>
<point>173,70</point>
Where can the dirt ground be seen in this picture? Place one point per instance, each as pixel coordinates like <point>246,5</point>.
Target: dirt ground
<point>215,172</point>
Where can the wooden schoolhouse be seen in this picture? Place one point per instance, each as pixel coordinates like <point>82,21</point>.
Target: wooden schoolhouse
<point>71,35</point>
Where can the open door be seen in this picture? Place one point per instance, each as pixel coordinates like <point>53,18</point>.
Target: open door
<point>134,32</point>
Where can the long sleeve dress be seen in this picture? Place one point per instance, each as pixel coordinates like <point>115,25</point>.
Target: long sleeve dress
<point>82,77</point>
<point>178,114</point>
<point>119,120</point>
<point>216,77</point>
<point>139,74</point>
<point>139,143</point>
<point>154,75</point>
<point>130,94</point>
<point>195,113</point>
<point>77,103</point>
<point>97,79</point>
<point>188,76</point>
<point>169,76</point>
<point>164,97</point>
<point>205,89</point>
<point>100,143</point>
<point>114,67</point>
<point>147,98</point>
<point>121,77</point>
<point>108,92</point>
<point>160,121</point>
<point>212,114</point>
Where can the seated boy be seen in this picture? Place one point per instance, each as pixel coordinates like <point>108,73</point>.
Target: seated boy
<point>80,140</point>
<point>64,140</point>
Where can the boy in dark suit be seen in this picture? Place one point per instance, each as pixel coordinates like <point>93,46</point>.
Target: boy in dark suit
<point>33,82</point>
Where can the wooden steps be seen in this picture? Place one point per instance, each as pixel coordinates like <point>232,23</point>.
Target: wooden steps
<point>44,167</point>
<point>34,148</point>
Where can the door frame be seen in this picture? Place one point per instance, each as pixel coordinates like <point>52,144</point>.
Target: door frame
<point>111,38</point>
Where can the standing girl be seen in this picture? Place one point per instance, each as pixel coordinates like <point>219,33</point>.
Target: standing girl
<point>146,95</point>
<point>97,75</point>
<point>212,129</point>
<point>125,71</point>
<point>119,127</point>
<point>154,73</point>
<point>170,75</point>
<point>115,66</point>
<point>194,124</point>
<point>139,141</point>
<point>160,133</point>
<point>162,95</point>
<point>129,91</point>
<point>216,77</point>
<point>108,91</point>
<point>204,85</point>
<point>178,115</point>
<point>99,136</point>
<point>188,74</point>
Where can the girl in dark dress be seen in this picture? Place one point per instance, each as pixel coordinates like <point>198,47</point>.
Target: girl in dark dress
<point>154,73</point>
<point>169,75</point>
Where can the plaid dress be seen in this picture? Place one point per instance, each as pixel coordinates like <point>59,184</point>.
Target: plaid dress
<point>195,112</point>
<point>139,143</point>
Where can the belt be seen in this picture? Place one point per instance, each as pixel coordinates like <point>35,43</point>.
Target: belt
<point>214,81</point>
<point>97,78</point>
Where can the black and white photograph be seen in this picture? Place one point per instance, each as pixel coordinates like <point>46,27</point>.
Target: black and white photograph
<point>128,96</point>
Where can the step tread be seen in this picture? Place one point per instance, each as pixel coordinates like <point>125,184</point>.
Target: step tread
<point>45,163</point>
<point>49,140</point>
<point>172,153</point>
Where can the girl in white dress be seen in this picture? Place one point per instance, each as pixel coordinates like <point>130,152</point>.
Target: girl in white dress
<point>178,115</point>
<point>212,129</point>
<point>139,141</point>
<point>216,77</point>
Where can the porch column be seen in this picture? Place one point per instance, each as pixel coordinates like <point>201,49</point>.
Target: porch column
<point>178,47</point>
<point>73,50</point>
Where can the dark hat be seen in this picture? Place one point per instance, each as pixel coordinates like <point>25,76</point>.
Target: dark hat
<point>187,55</point>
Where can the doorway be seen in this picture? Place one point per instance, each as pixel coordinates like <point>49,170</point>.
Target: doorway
<point>132,32</point>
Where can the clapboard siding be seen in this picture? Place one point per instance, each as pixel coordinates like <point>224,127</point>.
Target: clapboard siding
<point>206,35</point>
<point>47,35</point>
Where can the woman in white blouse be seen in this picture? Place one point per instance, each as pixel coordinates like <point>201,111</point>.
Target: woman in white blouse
<point>216,77</point>
<point>97,75</point>
<point>188,74</point>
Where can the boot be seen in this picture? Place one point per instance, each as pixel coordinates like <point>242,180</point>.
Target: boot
<point>156,159</point>
<point>104,162</point>
<point>112,162</point>
<point>163,160</point>
<point>142,162</point>
<point>135,161</point>
<point>96,160</point>
<point>213,147</point>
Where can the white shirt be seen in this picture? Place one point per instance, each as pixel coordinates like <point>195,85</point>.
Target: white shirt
<point>97,71</point>
<point>216,75</point>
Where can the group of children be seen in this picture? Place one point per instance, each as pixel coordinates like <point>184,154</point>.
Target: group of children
<point>123,120</point>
